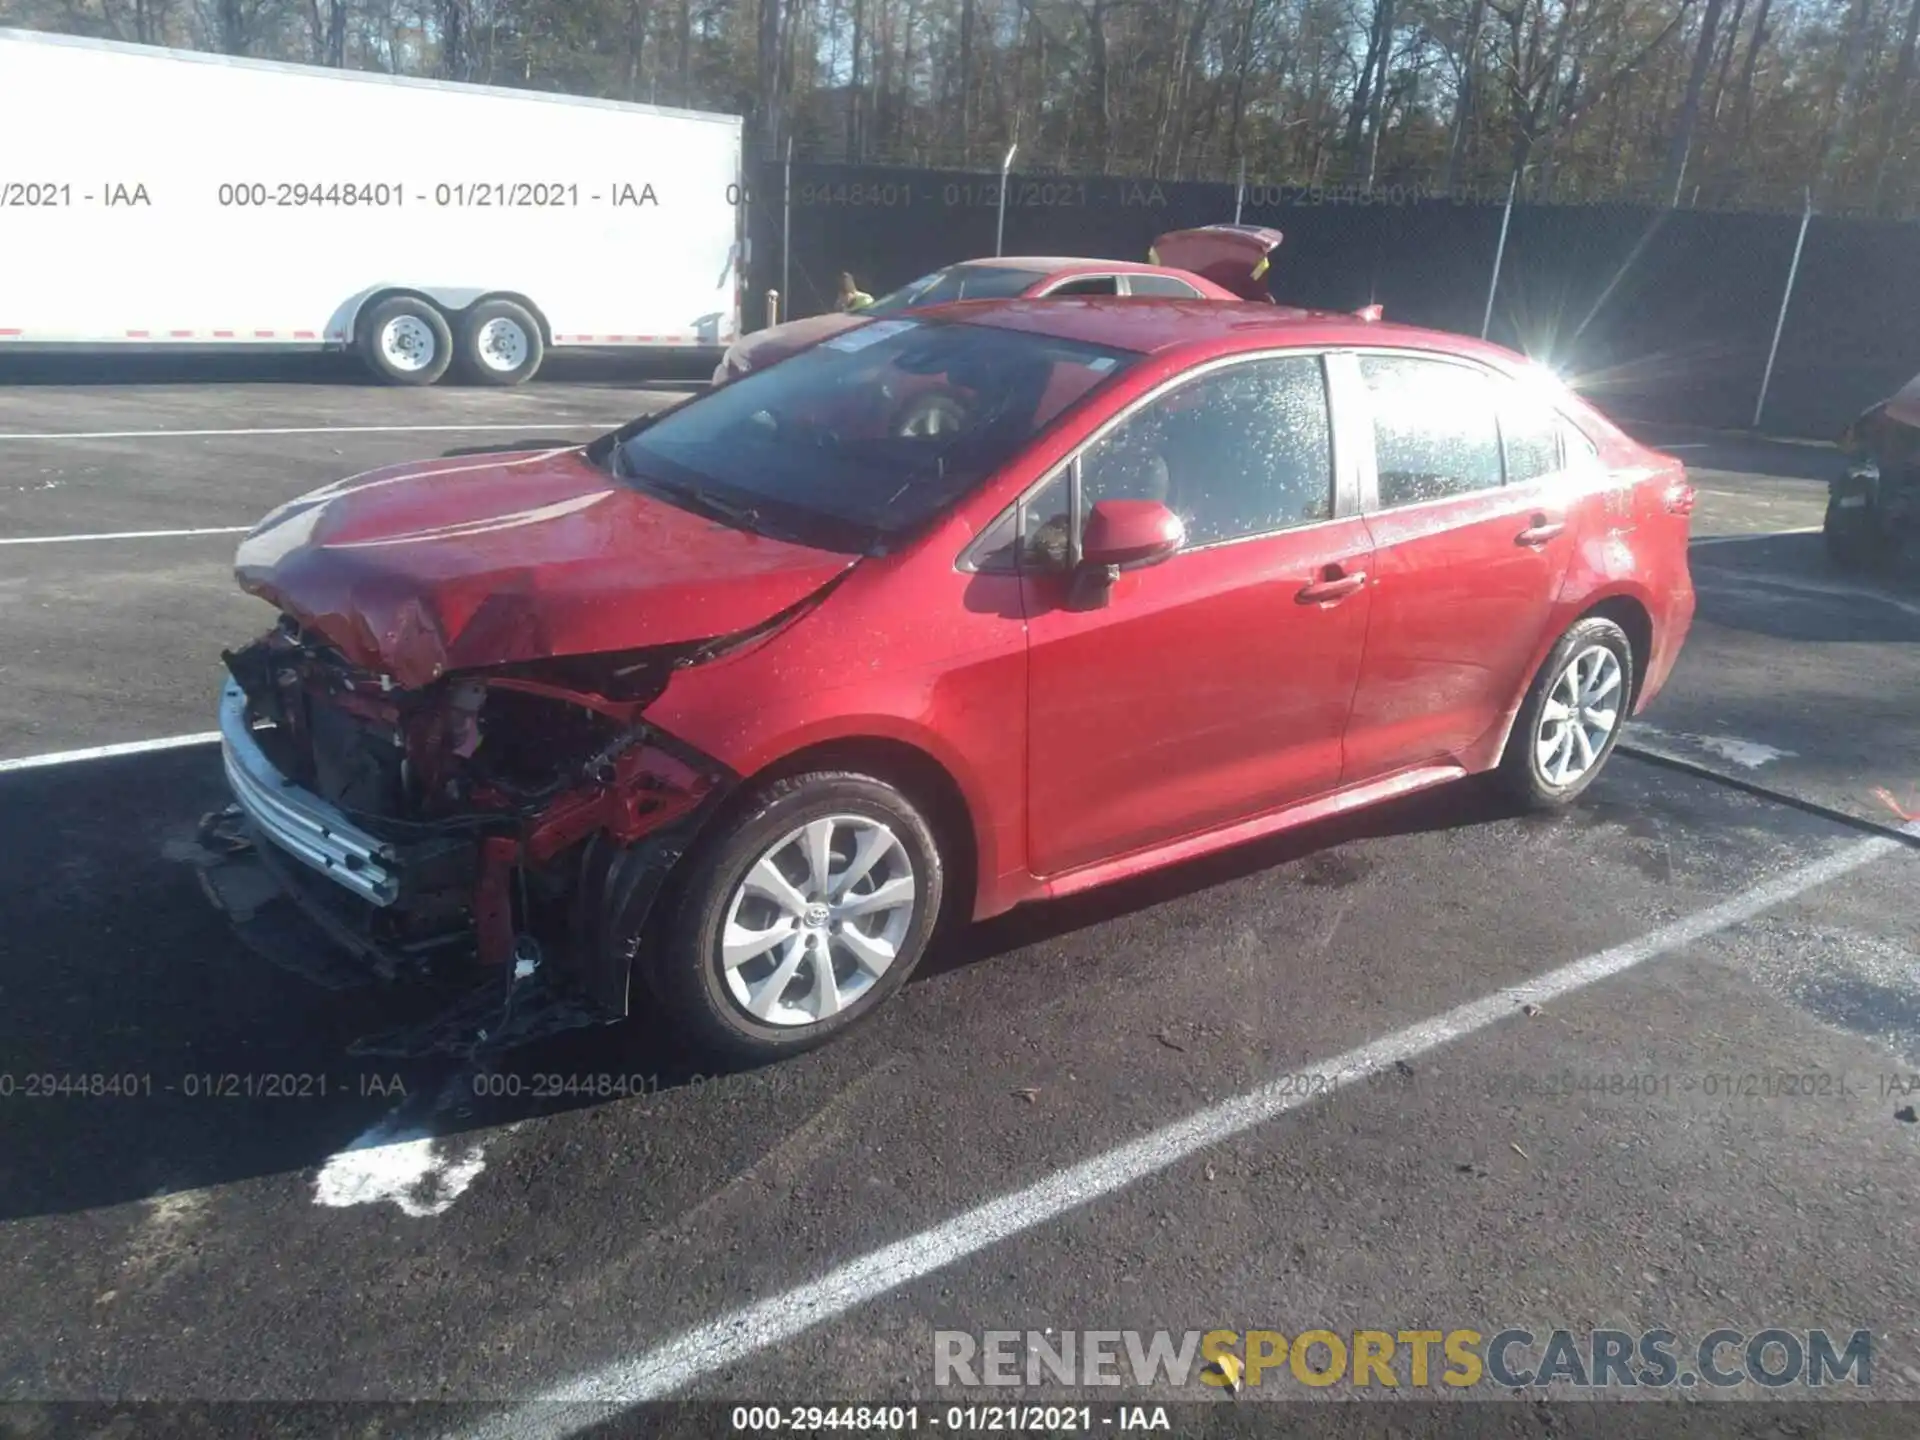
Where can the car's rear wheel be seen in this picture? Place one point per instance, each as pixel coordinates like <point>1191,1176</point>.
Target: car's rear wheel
<point>809,908</point>
<point>1572,717</point>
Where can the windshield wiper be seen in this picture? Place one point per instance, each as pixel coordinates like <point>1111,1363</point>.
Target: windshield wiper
<point>747,517</point>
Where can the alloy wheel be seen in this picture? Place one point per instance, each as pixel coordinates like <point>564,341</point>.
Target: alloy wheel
<point>1579,716</point>
<point>818,920</point>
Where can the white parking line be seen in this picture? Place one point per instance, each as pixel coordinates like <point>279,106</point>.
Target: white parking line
<point>107,752</point>
<point>123,535</point>
<point>304,430</point>
<point>1753,535</point>
<point>714,1348</point>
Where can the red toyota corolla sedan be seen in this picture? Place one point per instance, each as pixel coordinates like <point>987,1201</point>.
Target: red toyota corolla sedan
<point>742,700</point>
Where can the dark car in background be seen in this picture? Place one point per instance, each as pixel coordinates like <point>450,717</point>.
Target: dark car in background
<point>1873,507</point>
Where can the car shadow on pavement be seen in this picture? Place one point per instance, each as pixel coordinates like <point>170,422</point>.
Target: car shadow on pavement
<point>1315,855</point>
<point>1785,587</point>
<point>145,1050</point>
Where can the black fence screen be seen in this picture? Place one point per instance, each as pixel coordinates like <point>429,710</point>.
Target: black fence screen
<point>1657,314</point>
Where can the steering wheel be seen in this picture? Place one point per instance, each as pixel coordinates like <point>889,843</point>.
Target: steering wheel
<point>931,417</point>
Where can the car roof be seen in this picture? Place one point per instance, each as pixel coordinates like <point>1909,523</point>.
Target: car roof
<point>1149,324</point>
<point>1052,264</point>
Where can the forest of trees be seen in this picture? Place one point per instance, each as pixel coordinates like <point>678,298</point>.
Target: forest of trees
<point>1706,103</point>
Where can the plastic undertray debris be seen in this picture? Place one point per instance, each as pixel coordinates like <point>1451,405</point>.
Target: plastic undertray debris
<point>481,1022</point>
<point>517,1006</point>
<point>274,928</point>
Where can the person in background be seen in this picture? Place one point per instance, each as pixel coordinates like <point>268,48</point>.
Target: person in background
<point>852,297</point>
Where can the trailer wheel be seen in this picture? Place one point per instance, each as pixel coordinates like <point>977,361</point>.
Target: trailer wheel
<point>500,344</point>
<point>406,341</point>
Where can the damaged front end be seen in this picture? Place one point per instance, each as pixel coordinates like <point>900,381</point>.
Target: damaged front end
<point>519,814</point>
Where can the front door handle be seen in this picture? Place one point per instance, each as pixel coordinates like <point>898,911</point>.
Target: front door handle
<point>1539,531</point>
<point>1334,587</point>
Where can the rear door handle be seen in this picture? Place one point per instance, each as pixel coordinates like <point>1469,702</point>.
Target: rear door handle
<point>1321,592</point>
<point>1540,531</point>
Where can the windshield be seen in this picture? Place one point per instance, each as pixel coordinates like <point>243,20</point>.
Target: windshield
<point>957,282</point>
<point>868,435</point>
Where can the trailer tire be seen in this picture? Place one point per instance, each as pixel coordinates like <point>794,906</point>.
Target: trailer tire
<point>500,344</point>
<point>406,341</point>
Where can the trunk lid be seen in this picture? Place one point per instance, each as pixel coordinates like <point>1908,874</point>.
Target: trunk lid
<point>1234,257</point>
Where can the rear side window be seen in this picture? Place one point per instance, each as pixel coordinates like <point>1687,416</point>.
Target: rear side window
<point>1088,285</point>
<point>1530,440</point>
<point>1436,432</point>
<point>1582,454</point>
<point>1161,285</point>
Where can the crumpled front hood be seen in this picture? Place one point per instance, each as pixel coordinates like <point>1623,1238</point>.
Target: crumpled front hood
<point>417,570</point>
<point>776,342</point>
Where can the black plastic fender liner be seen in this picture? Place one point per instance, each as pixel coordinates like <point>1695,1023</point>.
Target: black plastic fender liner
<point>618,890</point>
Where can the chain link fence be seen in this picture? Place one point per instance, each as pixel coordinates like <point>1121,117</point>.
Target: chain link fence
<point>1718,319</point>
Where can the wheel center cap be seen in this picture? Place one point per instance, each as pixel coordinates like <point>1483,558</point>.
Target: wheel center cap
<point>816,917</point>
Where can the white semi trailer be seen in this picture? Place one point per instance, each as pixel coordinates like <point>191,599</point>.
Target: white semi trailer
<point>154,197</point>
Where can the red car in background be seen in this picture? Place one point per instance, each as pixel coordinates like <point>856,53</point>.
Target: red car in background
<point>741,701</point>
<point>1212,262</point>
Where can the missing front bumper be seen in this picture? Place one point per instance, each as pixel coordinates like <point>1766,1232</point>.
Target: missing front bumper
<point>383,872</point>
<point>300,823</point>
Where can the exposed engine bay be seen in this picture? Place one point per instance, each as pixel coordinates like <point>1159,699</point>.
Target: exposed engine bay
<point>521,814</point>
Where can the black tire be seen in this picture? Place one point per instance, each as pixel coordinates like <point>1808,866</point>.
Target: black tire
<point>494,333</point>
<point>1520,777</point>
<point>382,342</point>
<point>1851,539</point>
<point>682,960</point>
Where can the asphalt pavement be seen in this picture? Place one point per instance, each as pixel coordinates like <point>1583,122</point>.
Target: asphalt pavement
<point>1642,1065</point>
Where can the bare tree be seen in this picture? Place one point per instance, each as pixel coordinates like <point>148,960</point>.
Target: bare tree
<point>1703,50</point>
<point>1893,108</point>
<point>1842,112</point>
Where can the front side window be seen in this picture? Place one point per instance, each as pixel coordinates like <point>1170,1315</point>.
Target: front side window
<point>866,436</point>
<point>1240,451</point>
<point>1436,432</point>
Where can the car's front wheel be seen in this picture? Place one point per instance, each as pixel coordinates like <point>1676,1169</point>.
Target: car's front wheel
<point>1572,717</point>
<point>1852,539</point>
<point>810,907</point>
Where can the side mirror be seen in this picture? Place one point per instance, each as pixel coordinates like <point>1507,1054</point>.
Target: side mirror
<point>1122,535</point>
<point>1131,533</point>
